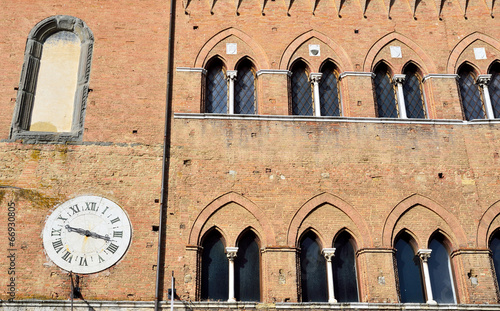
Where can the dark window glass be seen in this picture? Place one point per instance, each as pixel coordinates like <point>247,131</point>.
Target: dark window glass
<point>385,93</point>
<point>495,253</point>
<point>494,89</point>
<point>216,101</point>
<point>214,268</point>
<point>409,273</point>
<point>412,90</point>
<point>247,269</point>
<point>313,270</point>
<point>440,272</point>
<point>469,91</point>
<point>244,90</point>
<point>344,270</point>
<point>301,91</point>
<point>329,91</point>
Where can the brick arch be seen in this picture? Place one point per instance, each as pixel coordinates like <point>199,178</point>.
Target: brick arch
<point>365,239</point>
<point>484,224</point>
<point>428,65</point>
<point>261,60</point>
<point>416,199</point>
<point>268,234</point>
<point>463,44</point>
<point>344,61</point>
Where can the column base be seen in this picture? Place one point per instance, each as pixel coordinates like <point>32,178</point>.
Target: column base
<point>332,300</point>
<point>231,300</point>
<point>432,302</point>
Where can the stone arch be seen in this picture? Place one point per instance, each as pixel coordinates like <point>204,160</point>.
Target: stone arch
<point>451,66</point>
<point>322,241</point>
<point>368,65</point>
<point>344,61</point>
<point>416,199</point>
<point>484,226</point>
<point>219,230</point>
<point>365,239</point>
<point>261,60</point>
<point>247,229</point>
<point>268,234</point>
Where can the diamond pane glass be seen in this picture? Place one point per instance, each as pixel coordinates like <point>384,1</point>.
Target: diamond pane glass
<point>414,100</point>
<point>216,90</point>
<point>471,99</point>
<point>494,89</point>
<point>329,92</point>
<point>301,92</point>
<point>386,97</point>
<point>244,91</point>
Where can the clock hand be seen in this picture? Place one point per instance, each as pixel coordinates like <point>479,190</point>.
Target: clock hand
<point>87,233</point>
<point>98,236</point>
<point>77,230</point>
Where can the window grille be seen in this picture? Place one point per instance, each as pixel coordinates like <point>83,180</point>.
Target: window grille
<point>216,100</point>
<point>301,91</point>
<point>385,94</point>
<point>413,95</point>
<point>471,98</point>
<point>329,92</point>
<point>244,91</point>
<point>494,90</point>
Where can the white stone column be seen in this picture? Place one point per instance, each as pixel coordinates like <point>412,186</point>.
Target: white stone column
<point>483,81</point>
<point>315,78</point>
<point>424,254</point>
<point>329,253</point>
<point>399,80</point>
<point>231,254</point>
<point>231,76</point>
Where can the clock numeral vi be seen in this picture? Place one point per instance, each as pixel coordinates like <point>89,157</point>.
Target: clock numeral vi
<point>112,248</point>
<point>83,261</point>
<point>58,245</point>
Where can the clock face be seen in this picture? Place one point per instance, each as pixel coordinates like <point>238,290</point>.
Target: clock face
<point>87,234</point>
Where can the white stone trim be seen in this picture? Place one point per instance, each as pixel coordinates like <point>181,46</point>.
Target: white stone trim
<point>187,69</point>
<point>439,76</point>
<point>274,72</point>
<point>356,74</point>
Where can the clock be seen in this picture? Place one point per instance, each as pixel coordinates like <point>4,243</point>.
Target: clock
<point>87,234</point>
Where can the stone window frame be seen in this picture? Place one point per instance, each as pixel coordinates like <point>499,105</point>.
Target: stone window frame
<point>26,93</point>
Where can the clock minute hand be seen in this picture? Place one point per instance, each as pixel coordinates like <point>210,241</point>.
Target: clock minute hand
<point>77,230</point>
<point>87,233</point>
<point>98,236</point>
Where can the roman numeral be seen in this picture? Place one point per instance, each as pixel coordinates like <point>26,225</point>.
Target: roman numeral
<point>83,261</point>
<point>118,234</point>
<point>58,245</point>
<point>105,210</point>
<point>91,206</point>
<point>62,218</point>
<point>67,256</point>
<point>100,259</point>
<point>117,219</point>
<point>55,232</point>
<point>112,248</point>
<point>75,209</point>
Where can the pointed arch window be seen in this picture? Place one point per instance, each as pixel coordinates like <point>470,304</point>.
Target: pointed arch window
<point>216,88</point>
<point>214,270</point>
<point>413,93</point>
<point>344,269</point>
<point>441,276</point>
<point>244,89</point>
<point>301,90</point>
<point>495,253</point>
<point>329,90</point>
<point>409,270</point>
<point>385,93</point>
<point>494,89</point>
<point>472,101</point>
<point>247,268</point>
<point>313,269</point>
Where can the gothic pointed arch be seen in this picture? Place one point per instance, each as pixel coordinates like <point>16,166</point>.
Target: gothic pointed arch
<point>268,236</point>
<point>484,228</point>
<point>365,239</point>
<point>453,64</point>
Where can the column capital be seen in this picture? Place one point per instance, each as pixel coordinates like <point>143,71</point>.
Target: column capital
<point>483,80</point>
<point>231,252</point>
<point>329,253</point>
<point>231,74</point>
<point>424,254</point>
<point>315,77</point>
<point>399,78</point>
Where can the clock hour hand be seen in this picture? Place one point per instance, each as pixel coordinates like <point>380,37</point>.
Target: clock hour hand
<point>98,236</point>
<point>87,233</point>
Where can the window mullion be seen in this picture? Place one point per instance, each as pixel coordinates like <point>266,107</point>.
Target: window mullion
<point>231,76</point>
<point>483,81</point>
<point>399,80</point>
<point>329,253</point>
<point>424,255</point>
<point>315,78</point>
<point>231,255</point>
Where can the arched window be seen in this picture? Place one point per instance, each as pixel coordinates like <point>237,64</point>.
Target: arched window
<point>344,269</point>
<point>385,93</point>
<point>409,270</point>
<point>329,91</point>
<point>216,84</point>
<point>413,94</point>
<point>53,90</point>
<point>494,89</point>
<point>440,273</point>
<point>313,269</point>
<point>247,268</point>
<point>495,253</point>
<point>244,89</point>
<point>301,90</point>
<point>214,268</point>
<point>472,101</point>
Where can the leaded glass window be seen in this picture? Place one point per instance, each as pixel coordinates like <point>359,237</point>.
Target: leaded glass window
<point>385,93</point>
<point>440,271</point>
<point>216,95</point>
<point>313,269</point>
<point>214,268</point>
<point>344,269</point>
<point>329,91</point>
<point>469,91</point>
<point>413,95</point>
<point>495,253</point>
<point>301,91</point>
<point>409,271</point>
<point>247,269</point>
<point>244,90</point>
<point>494,89</point>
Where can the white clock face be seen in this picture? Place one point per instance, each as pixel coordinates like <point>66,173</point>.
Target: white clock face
<point>87,234</point>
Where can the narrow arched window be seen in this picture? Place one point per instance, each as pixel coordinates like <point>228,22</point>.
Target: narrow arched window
<point>440,273</point>
<point>409,270</point>
<point>313,269</point>
<point>472,101</point>
<point>247,268</point>
<point>344,269</point>
<point>301,91</point>
<point>385,93</point>
<point>244,89</point>
<point>216,84</point>
<point>413,94</point>
<point>329,91</point>
<point>214,268</point>
<point>494,89</point>
<point>495,253</point>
